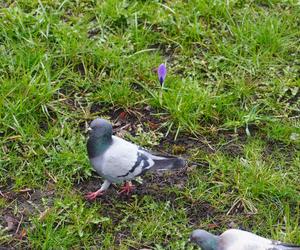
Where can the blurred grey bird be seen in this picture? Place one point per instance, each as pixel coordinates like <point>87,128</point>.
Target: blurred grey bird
<point>235,239</point>
<point>118,160</point>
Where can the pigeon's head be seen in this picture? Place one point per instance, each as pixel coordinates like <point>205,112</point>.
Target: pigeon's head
<point>204,239</point>
<point>100,128</point>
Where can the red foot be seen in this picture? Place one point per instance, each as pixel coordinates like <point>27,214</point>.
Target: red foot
<point>127,188</point>
<point>93,195</point>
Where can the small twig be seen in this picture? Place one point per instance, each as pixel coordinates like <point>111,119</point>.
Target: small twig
<point>25,190</point>
<point>205,141</point>
<point>124,127</point>
<point>44,213</point>
<point>29,195</point>
<point>60,222</point>
<point>51,177</point>
<point>2,194</point>
<point>235,203</point>
<point>226,143</point>
<point>19,224</point>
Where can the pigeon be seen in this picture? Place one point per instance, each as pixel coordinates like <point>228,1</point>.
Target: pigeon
<point>235,239</point>
<point>118,160</point>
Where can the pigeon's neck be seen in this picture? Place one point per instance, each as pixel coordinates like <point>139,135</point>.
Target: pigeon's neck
<point>98,145</point>
<point>211,244</point>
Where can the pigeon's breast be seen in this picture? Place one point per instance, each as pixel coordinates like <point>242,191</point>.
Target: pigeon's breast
<point>97,163</point>
<point>101,165</point>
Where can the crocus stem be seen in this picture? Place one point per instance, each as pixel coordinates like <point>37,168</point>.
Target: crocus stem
<point>161,96</point>
<point>161,93</point>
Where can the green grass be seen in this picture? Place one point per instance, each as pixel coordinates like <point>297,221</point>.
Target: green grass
<point>231,99</point>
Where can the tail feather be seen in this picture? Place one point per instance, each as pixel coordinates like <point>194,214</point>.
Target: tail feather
<point>162,161</point>
<point>168,164</point>
<point>287,246</point>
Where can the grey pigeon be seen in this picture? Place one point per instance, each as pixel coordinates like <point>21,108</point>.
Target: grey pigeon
<point>118,160</point>
<point>235,239</point>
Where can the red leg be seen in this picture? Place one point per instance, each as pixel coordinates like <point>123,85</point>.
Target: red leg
<point>93,195</point>
<point>127,188</point>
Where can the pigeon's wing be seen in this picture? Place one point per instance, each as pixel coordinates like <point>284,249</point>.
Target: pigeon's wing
<point>124,161</point>
<point>234,239</point>
<point>242,245</point>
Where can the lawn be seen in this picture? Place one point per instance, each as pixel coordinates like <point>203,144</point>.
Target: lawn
<point>230,105</point>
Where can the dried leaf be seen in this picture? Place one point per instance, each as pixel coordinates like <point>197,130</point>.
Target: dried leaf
<point>212,226</point>
<point>122,116</point>
<point>23,234</point>
<point>153,125</point>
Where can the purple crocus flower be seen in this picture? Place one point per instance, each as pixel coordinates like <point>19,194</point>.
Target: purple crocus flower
<point>162,72</point>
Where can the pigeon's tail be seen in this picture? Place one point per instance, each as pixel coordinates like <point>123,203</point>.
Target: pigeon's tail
<point>170,163</point>
<point>286,246</point>
<point>163,161</point>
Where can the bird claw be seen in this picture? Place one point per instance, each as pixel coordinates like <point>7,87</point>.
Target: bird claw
<point>91,196</point>
<point>127,188</point>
